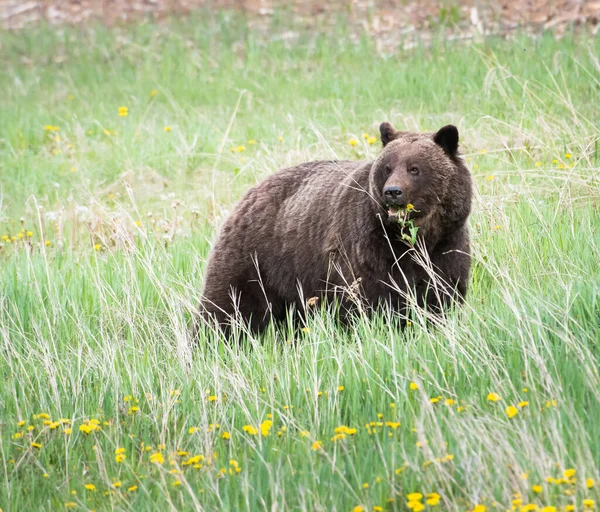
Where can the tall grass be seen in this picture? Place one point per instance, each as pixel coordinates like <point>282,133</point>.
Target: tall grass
<point>112,230</point>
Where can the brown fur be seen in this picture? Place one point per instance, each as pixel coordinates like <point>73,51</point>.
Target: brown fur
<point>322,229</point>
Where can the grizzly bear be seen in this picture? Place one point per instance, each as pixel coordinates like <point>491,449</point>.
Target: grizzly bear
<point>374,234</point>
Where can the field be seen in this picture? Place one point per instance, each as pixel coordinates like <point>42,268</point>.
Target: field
<point>121,152</point>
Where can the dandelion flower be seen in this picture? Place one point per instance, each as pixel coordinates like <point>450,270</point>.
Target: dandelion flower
<point>47,243</point>
<point>340,388</point>
<point>589,483</point>
<point>511,411</point>
<point>97,247</point>
<point>415,506</point>
<point>240,149</point>
<point>414,496</point>
<point>537,489</point>
<point>413,386</point>
<point>589,503</point>
<point>568,155</point>
<point>490,178</point>
<point>538,164</point>
<point>353,142</point>
<point>90,487</point>
<point>250,430</point>
<point>123,111</point>
<point>522,404</point>
<point>358,508</point>
<point>168,128</point>
<point>317,445</point>
<point>371,140</point>
<point>36,445</point>
<point>132,488</point>
<point>120,458</point>
<point>226,435</point>
<point>433,499</point>
<point>569,473</point>
<point>251,142</point>
<point>153,93</point>
<point>479,508</point>
<point>365,485</point>
<point>116,484</point>
<point>157,458</point>
<point>493,397</point>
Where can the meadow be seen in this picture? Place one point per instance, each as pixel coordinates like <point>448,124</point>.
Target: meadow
<point>121,152</point>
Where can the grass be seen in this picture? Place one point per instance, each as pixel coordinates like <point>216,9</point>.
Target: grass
<point>113,217</point>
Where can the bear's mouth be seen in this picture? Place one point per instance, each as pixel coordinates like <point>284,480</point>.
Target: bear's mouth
<point>399,211</point>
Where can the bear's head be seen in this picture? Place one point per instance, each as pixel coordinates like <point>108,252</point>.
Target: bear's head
<point>422,176</point>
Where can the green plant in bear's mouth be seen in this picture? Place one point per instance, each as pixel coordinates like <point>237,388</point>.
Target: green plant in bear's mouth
<point>408,225</point>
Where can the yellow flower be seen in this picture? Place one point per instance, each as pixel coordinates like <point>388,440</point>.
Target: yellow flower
<point>449,402</point>
<point>119,451</point>
<point>413,386</point>
<point>538,164</point>
<point>176,483</point>
<point>157,458</point>
<point>569,473</point>
<point>433,499</point>
<point>490,178</point>
<point>191,430</point>
<point>537,489</point>
<point>377,508</point>
<point>250,430</point>
<point>46,475</point>
<point>36,445</point>
<point>479,508</point>
<point>435,399</point>
<point>366,136</point>
<point>120,457</point>
<point>371,140</point>
<point>123,111</point>
<point>589,503</point>
<point>317,445</point>
<point>132,488</point>
<point>528,508</point>
<point>555,161</point>
<point>240,149</point>
<point>70,504</point>
<point>522,404</point>
<point>226,435</point>
<point>568,155</point>
<point>168,128</point>
<point>340,388</point>
<point>569,508</point>
<point>511,411</point>
<point>251,141</point>
<point>414,496</point>
<point>416,506</point>
<point>90,487</point>
<point>67,431</point>
<point>280,138</point>
<point>493,397</point>
<point>21,423</point>
<point>29,233</point>
<point>589,483</point>
<point>365,485</point>
<point>153,93</point>
<point>353,142</point>
<point>97,247</point>
<point>212,398</point>
<point>358,508</point>
<point>116,484</point>
<point>265,427</point>
<point>550,508</point>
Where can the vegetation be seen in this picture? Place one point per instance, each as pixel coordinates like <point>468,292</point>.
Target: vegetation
<point>121,151</point>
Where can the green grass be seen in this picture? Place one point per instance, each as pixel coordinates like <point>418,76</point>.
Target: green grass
<point>95,302</point>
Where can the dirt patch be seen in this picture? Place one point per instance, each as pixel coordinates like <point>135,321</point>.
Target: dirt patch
<point>383,19</point>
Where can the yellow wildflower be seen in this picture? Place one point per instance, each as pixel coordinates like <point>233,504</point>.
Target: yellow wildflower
<point>116,484</point>
<point>537,489</point>
<point>120,458</point>
<point>157,458</point>
<point>123,111</point>
<point>589,483</point>
<point>414,496</point>
<point>358,508</point>
<point>353,142</point>
<point>226,435</point>
<point>317,445</point>
<point>413,386</point>
<point>132,488</point>
<point>340,388</point>
<point>36,445</point>
<point>493,397</point>
<point>568,155</point>
<point>589,503</point>
<point>240,149</point>
<point>433,499</point>
<point>569,473</point>
<point>490,178</point>
<point>153,93</point>
<point>538,164</point>
<point>416,506</point>
<point>90,487</point>
<point>371,140</point>
<point>479,508</point>
<point>168,128</point>
<point>511,411</point>
<point>522,404</point>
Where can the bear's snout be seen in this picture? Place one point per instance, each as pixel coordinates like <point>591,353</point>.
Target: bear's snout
<point>392,194</point>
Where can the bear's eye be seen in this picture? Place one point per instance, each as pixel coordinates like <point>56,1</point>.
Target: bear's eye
<point>413,170</point>
<point>388,169</point>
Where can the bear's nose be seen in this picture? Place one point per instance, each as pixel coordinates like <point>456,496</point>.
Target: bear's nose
<point>392,192</point>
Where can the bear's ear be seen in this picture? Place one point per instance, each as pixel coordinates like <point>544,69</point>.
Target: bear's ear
<point>388,133</point>
<point>447,138</point>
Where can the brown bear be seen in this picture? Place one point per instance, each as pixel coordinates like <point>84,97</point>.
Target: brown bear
<point>376,233</point>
